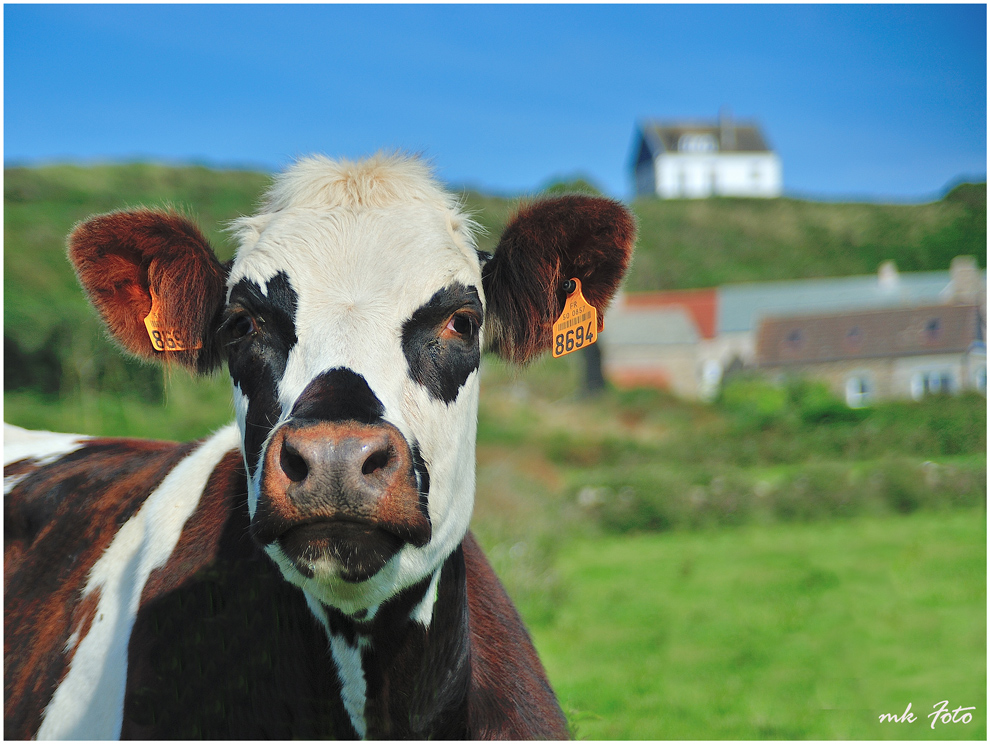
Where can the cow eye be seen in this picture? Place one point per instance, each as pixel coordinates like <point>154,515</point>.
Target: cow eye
<point>461,325</point>
<point>241,326</point>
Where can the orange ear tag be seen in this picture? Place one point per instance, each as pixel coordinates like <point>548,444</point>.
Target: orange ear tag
<point>164,339</point>
<point>577,325</point>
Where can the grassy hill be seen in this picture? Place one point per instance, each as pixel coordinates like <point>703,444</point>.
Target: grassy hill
<point>707,242</point>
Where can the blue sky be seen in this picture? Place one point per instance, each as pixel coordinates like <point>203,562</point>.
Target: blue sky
<point>881,102</point>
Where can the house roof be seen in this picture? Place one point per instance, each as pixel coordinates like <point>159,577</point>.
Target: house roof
<point>648,326</point>
<point>700,304</point>
<point>741,306</point>
<point>728,136</point>
<point>932,329</point>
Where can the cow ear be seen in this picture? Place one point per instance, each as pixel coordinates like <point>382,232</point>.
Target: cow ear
<point>127,260</point>
<point>544,245</point>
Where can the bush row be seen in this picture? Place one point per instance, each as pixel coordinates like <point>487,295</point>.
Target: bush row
<point>656,499</point>
<point>756,423</point>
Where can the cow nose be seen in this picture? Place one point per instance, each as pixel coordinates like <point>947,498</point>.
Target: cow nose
<point>357,465</point>
<point>322,473</point>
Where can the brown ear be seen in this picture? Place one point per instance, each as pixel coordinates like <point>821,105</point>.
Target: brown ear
<point>544,245</point>
<point>123,258</point>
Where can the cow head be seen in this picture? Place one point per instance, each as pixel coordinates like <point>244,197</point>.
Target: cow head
<point>352,322</point>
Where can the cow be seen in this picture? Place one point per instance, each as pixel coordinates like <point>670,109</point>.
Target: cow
<point>308,570</point>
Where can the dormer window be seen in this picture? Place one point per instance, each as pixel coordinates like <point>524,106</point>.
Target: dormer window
<point>932,331</point>
<point>697,143</point>
<point>854,339</point>
<point>794,340</point>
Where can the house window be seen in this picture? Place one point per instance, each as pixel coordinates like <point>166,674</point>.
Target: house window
<point>853,340</point>
<point>697,143</point>
<point>859,390</point>
<point>980,378</point>
<point>932,382</point>
<point>794,340</point>
<point>933,329</point>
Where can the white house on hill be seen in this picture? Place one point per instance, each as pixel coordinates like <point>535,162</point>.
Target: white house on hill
<point>693,160</point>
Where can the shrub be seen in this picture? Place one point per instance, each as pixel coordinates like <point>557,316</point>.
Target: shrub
<point>754,403</point>
<point>815,403</point>
<point>659,499</point>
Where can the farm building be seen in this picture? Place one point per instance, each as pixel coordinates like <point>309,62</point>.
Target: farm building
<point>689,341</point>
<point>875,354</point>
<point>699,159</point>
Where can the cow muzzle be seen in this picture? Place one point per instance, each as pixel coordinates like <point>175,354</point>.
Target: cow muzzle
<point>341,496</point>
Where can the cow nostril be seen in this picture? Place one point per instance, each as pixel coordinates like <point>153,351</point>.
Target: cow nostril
<point>376,461</point>
<point>293,464</point>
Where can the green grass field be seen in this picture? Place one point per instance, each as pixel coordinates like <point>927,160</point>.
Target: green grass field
<point>781,632</point>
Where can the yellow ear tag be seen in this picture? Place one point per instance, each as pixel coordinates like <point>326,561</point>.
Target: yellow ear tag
<point>577,325</point>
<point>164,339</point>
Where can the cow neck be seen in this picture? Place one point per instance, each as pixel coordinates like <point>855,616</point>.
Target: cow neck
<point>400,677</point>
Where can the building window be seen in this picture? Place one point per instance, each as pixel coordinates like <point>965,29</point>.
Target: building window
<point>933,329</point>
<point>710,379</point>
<point>932,382</point>
<point>697,143</point>
<point>853,340</point>
<point>980,378</point>
<point>794,340</point>
<point>859,391</point>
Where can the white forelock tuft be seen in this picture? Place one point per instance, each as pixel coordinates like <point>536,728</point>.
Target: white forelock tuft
<point>319,183</point>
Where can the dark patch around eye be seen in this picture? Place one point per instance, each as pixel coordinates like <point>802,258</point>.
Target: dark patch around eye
<point>258,366</point>
<point>442,365</point>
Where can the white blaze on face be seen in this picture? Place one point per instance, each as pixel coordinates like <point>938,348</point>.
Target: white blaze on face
<point>364,247</point>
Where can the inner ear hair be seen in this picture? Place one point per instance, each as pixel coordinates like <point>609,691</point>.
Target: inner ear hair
<point>124,259</point>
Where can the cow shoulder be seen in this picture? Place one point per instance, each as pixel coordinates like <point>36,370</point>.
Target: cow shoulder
<point>510,695</point>
<point>59,520</point>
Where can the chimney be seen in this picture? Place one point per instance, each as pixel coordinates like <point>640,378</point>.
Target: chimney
<point>964,280</point>
<point>726,129</point>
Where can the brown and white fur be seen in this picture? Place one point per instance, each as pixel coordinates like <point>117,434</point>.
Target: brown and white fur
<point>307,571</point>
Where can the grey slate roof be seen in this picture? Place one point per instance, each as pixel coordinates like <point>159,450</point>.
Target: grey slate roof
<point>742,137</point>
<point>741,306</point>
<point>668,325</point>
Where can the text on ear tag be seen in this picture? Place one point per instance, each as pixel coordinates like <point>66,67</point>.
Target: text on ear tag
<point>577,325</point>
<point>164,339</point>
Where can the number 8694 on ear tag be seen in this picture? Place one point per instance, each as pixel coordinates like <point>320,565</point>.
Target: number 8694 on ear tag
<point>577,325</point>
